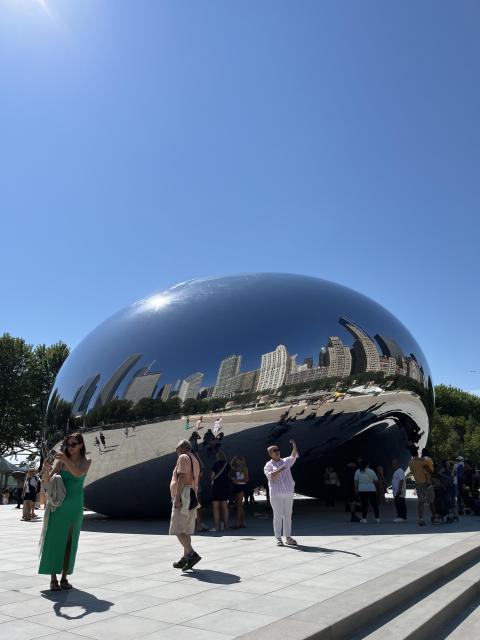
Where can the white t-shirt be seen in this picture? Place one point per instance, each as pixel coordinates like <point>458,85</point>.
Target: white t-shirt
<point>397,476</point>
<point>366,480</point>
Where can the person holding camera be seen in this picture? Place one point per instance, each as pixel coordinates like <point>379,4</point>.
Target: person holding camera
<point>281,488</point>
<point>62,525</point>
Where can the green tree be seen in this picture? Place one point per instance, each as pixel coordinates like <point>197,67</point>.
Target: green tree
<point>456,424</point>
<point>145,408</point>
<point>16,394</point>
<point>26,379</point>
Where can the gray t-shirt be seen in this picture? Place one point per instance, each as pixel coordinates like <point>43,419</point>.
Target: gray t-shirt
<point>366,480</point>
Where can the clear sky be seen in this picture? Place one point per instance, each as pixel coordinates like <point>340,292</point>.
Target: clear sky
<point>146,142</point>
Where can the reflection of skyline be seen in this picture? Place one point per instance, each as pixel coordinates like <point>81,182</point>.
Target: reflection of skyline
<point>336,360</point>
<point>277,368</point>
<point>106,394</point>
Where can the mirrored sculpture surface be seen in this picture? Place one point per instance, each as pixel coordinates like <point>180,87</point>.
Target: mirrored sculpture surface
<point>269,357</point>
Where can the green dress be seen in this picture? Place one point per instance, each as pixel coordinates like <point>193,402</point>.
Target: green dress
<point>67,517</point>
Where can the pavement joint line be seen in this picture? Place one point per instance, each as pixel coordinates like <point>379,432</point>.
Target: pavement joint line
<point>331,631</point>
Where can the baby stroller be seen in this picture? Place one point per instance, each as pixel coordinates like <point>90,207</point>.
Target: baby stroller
<point>444,497</point>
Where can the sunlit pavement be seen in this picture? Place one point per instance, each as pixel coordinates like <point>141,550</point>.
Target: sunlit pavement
<point>124,583</point>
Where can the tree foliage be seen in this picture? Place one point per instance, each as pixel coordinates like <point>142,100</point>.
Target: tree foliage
<point>456,424</point>
<point>27,375</point>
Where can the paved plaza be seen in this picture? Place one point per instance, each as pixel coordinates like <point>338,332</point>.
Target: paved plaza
<point>126,587</point>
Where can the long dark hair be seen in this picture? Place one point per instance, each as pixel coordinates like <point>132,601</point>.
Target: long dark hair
<point>362,464</point>
<point>79,438</point>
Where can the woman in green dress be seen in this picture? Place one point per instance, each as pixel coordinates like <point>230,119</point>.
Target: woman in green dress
<point>60,538</point>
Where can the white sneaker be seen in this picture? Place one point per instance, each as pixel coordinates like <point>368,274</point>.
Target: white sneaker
<point>279,542</point>
<point>363,521</point>
<point>377,519</point>
<point>399,520</point>
<point>212,529</point>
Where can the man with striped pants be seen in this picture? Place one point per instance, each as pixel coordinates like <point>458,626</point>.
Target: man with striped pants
<point>281,487</point>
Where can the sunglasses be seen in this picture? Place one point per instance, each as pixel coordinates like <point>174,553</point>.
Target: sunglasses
<point>72,445</point>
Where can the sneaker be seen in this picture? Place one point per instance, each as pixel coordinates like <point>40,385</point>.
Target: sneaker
<point>398,520</point>
<point>290,541</point>
<point>377,520</point>
<point>213,529</point>
<point>354,518</point>
<point>279,542</point>
<point>363,521</point>
<point>421,523</point>
<point>191,561</point>
<point>180,563</point>
<point>222,526</point>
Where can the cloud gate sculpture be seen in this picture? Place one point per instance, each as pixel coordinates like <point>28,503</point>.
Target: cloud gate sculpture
<point>237,363</point>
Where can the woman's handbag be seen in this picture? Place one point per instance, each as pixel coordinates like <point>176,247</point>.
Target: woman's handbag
<point>193,496</point>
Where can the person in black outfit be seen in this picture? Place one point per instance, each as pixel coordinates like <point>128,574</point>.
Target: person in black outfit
<point>351,495</point>
<point>221,488</point>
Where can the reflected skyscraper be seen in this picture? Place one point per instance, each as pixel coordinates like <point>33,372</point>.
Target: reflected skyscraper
<point>190,386</point>
<point>389,348</point>
<point>336,358</point>
<point>274,368</point>
<point>165,392</point>
<point>106,394</point>
<point>227,377</point>
<point>142,386</point>
<point>84,395</point>
<point>365,355</point>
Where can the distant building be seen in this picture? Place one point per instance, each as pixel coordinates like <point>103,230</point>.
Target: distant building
<point>106,394</point>
<point>84,395</point>
<point>274,368</point>
<point>306,375</point>
<point>365,356</point>
<point>308,362</point>
<point>142,386</point>
<point>389,347</point>
<point>206,392</point>
<point>190,387</point>
<point>227,374</point>
<point>388,366</point>
<point>165,391</point>
<point>414,370</point>
<point>247,382</point>
<point>336,357</point>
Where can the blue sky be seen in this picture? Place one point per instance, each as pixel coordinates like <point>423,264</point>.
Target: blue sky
<point>145,143</point>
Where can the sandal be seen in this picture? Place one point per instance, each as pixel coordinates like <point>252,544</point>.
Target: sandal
<point>64,584</point>
<point>54,586</point>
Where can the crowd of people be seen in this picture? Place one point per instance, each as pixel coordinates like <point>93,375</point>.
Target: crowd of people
<point>447,489</point>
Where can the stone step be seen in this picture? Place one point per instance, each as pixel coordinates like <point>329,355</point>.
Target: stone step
<point>468,626</point>
<point>343,616</point>
<point>427,617</point>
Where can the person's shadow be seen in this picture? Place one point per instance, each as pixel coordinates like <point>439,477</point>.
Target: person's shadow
<point>324,550</point>
<point>75,598</point>
<point>214,577</point>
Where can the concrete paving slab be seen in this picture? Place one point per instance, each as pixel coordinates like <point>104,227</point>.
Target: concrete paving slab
<point>244,583</point>
<point>122,627</point>
<point>231,619</point>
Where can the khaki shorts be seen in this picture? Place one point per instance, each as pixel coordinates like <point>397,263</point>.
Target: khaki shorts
<point>182,522</point>
<point>425,492</point>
